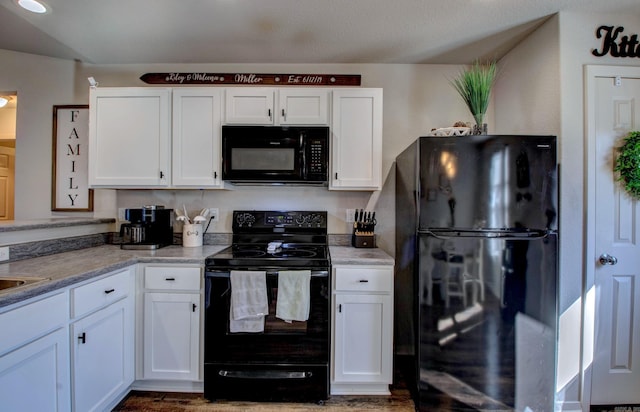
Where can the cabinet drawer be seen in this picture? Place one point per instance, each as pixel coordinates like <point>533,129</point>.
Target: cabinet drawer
<point>28,322</point>
<point>91,296</point>
<point>172,278</point>
<point>359,279</point>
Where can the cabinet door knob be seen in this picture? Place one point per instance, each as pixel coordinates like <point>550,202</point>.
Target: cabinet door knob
<point>363,281</point>
<point>109,291</point>
<point>83,338</point>
<point>170,279</point>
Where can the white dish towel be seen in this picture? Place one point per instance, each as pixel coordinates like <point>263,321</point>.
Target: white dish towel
<point>294,291</point>
<point>249,303</point>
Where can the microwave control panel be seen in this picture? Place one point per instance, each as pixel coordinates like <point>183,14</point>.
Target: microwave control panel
<point>317,152</point>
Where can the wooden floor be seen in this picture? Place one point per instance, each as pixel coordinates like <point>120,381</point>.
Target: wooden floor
<point>399,401</point>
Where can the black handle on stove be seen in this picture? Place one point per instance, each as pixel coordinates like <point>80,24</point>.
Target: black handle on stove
<point>221,273</point>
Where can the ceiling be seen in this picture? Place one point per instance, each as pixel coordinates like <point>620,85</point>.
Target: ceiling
<point>282,31</point>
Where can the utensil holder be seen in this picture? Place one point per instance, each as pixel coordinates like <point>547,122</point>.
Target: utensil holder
<point>192,235</point>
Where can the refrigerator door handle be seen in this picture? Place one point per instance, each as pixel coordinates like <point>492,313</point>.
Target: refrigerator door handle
<point>506,234</point>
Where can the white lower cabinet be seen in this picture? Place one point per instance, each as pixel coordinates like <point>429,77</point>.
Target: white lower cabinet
<point>103,342</point>
<point>34,357</point>
<point>171,340</point>
<point>362,330</point>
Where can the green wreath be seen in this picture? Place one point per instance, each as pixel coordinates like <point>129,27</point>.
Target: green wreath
<point>628,164</point>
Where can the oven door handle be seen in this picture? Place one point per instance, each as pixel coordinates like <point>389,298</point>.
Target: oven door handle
<point>227,274</point>
<point>267,374</point>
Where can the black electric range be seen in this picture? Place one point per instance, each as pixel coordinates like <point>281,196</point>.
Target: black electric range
<point>283,360</point>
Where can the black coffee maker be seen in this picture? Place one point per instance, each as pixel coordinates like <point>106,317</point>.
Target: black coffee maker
<point>150,227</point>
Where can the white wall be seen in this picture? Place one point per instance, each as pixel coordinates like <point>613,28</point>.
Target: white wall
<point>417,98</point>
<point>577,39</point>
<point>40,83</point>
<point>541,91</point>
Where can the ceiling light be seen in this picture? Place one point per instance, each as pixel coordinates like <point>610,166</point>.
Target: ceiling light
<point>4,101</point>
<point>33,6</point>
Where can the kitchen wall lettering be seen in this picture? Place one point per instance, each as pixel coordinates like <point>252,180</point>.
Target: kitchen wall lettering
<point>70,184</point>
<point>625,46</point>
<point>256,79</point>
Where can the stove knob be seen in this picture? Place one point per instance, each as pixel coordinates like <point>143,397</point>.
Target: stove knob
<point>246,218</point>
<point>315,220</point>
<point>301,219</point>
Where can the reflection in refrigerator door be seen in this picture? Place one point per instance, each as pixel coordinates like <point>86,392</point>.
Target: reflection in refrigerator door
<point>477,258</point>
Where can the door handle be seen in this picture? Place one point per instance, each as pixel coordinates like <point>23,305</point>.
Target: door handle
<point>606,259</point>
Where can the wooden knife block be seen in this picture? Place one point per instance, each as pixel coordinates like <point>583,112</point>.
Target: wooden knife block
<point>363,240</point>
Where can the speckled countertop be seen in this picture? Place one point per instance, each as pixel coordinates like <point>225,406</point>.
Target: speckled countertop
<point>347,255</point>
<point>64,269</point>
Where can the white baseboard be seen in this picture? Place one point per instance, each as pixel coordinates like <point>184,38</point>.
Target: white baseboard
<point>360,389</point>
<point>168,386</point>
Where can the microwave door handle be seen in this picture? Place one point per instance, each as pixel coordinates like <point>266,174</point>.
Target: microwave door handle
<point>303,152</point>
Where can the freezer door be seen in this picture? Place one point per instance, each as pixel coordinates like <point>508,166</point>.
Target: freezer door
<point>488,182</point>
<point>487,316</point>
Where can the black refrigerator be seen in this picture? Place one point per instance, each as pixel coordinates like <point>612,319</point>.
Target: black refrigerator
<point>476,271</point>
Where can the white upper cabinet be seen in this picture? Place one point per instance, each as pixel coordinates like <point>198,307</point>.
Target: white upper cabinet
<point>356,129</point>
<point>129,137</point>
<point>269,106</point>
<point>133,142</point>
<point>153,137</point>
<point>303,106</point>
<point>251,105</point>
<point>197,122</point>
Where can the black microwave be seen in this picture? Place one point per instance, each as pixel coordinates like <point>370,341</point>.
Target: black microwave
<point>275,154</point>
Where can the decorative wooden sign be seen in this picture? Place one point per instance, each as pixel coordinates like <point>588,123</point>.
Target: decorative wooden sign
<point>70,181</point>
<point>625,46</point>
<point>256,79</point>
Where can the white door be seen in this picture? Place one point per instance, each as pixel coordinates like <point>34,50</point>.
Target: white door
<point>171,335</point>
<point>362,337</point>
<point>7,179</point>
<point>616,362</point>
<point>356,128</point>
<point>249,105</point>
<point>130,137</point>
<point>35,376</point>
<point>303,106</point>
<point>197,120</point>
<point>103,356</point>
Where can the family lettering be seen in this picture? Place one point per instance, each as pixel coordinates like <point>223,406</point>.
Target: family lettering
<point>70,180</point>
<point>74,154</point>
<point>253,79</point>
<point>616,45</point>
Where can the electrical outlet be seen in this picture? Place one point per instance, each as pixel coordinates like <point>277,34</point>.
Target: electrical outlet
<point>214,214</point>
<point>121,213</point>
<point>350,215</point>
<point>4,253</point>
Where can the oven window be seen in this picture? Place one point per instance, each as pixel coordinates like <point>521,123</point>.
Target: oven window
<point>281,341</point>
<point>263,159</point>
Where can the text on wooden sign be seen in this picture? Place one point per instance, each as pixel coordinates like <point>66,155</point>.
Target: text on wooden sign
<point>253,79</point>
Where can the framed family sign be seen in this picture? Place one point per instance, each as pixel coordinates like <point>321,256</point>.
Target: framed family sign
<point>70,173</point>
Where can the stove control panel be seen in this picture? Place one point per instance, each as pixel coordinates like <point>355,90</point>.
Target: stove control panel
<point>279,219</point>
